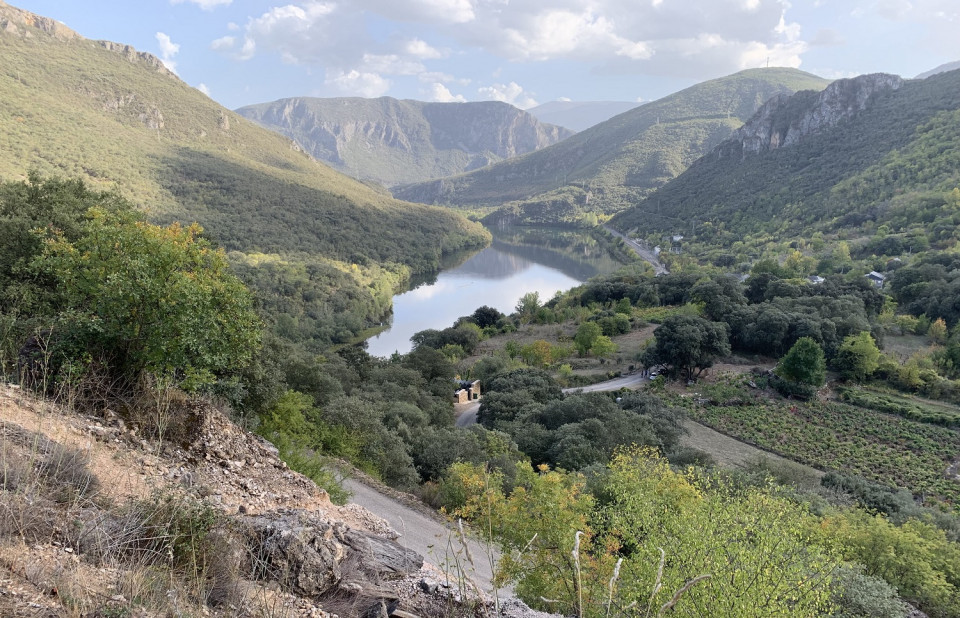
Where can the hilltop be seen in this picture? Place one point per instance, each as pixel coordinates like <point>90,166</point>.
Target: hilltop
<point>391,142</point>
<point>612,165</point>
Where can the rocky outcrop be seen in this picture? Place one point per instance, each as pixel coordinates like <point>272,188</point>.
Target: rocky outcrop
<point>395,142</point>
<point>132,55</point>
<point>786,120</point>
<point>18,21</point>
<point>314,557</point>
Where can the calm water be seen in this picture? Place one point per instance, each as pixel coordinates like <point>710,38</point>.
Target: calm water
<point>519,260</point>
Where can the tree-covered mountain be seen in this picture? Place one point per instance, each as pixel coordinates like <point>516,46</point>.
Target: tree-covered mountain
<point>394,141</point>
<point>118,119</point>
<point>580,115</point>
<point>616,163</point>
<point>874,157</point>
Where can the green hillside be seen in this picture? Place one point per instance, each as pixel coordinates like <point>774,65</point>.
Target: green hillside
<point>888,172</point>
<point>392,141</point>
<point>608,167</point>
<point>74,107</point>
<point>116,118</point>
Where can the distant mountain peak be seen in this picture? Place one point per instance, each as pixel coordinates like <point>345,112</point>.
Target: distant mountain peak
<point>943,68</point>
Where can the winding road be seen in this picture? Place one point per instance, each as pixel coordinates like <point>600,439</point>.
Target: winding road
<point>640,250</point>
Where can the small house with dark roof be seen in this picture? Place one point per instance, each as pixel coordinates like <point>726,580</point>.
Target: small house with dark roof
<point>466,391</point>
<point>876,278</point>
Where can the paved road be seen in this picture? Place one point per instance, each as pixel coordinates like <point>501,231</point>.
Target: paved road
<point>631,381</point>
<point>466,413</point>
<point>640,250</point>
<point>438,543</point>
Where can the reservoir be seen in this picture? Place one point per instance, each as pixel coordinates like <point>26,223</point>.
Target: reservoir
<point>518,261</point>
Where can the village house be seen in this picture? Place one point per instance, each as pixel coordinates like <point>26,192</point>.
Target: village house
<point>466,391</point>
<point>876,278</point>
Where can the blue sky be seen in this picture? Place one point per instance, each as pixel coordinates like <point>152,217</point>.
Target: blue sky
<point>524,52</point>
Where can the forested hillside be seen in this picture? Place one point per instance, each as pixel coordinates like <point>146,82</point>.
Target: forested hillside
<point>887,168</point>
<point>608,167</point>
<point>390,141</point>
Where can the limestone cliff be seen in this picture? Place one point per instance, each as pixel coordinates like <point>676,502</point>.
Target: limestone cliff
<point>786,120</point>
<point>394,141</point>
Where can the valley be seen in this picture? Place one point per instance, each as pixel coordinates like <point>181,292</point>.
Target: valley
<point>705,350</point>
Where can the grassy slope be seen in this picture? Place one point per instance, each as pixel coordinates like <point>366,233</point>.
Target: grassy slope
<point>882,165</point>
<point>70,107</point>
<point>628,155</point>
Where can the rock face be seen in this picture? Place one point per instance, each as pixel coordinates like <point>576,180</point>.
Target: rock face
<point>132,55</point>
<point>786,120</point>
<point>393,142</point>
<point>18,21</point>
<point>312,556</point>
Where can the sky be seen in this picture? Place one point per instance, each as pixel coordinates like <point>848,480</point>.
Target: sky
<point>523,52</point>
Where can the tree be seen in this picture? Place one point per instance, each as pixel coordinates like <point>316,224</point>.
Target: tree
<point>687,344</point>
<point>858,356</point>
<point>148,298</point>
<point>603,347</point>
<point>938,331</point>
<point>586,336</point>
<point>804,363</point>
<point>486,316</point>
<point>528,304</point>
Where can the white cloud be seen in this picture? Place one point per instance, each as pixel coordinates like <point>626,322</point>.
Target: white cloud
<point>223,43</point>
<point>206,5</point>
<point>421,49</point>
<point>390,64</point>
<point>511,93</point>
<point>428,11</point>
<point>689,39</point>
<point>355,83</point>
<point>429,77</point>
<point>202,87</point>
<point>441,94</point>
<point>168,49</point>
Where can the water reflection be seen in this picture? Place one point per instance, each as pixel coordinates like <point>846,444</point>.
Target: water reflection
<point>520,260</point>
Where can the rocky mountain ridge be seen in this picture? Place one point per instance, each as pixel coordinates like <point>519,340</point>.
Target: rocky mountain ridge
<point>393,141</point>
<point>785,120</point>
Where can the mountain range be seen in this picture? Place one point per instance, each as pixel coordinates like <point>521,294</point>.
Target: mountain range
<point>614,164</point>
<point>390,141</point>
<point>579,115</point>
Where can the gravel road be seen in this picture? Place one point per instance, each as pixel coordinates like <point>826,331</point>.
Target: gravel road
<point>429,536</point>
